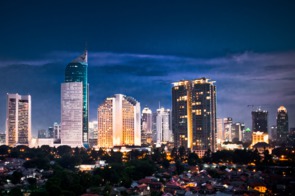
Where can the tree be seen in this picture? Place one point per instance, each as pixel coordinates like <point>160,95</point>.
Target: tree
<point>193,159</point>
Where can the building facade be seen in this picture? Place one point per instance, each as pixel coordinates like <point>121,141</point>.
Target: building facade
<point>119,122</point>
<point>77,72</point>
<point>71,114</point>
<point>282,124</point>
<point>164,126</point>
<point>18,120</point>
<point>259,121</point>
<point>194,114</point>
<point>146,126</point>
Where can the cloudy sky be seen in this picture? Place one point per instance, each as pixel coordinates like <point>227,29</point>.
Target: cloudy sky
<point>139,48</point>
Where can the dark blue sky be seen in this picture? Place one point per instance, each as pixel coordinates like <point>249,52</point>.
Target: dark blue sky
<point>139,47</point>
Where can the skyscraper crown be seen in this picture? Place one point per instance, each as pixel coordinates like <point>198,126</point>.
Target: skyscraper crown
<point>83,58</point>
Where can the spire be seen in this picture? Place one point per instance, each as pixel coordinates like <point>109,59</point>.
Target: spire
<point>83,58</point>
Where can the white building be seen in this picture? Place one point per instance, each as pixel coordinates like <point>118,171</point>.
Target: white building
<point>119,122</point>
<point>71,114</point>
<point>18,120</point>
<point>164,126</point>
<point>146,126</point>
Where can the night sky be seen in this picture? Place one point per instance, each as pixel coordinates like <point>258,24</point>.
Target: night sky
<point>138,48</point>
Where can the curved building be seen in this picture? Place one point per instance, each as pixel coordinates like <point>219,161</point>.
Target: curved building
<point>76,72</point>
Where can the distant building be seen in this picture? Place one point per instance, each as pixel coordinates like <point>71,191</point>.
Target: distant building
<point>282,124</point>
<point>93,134</point>
<point>18,120</point>
<point>164,126</point>
<point>2,138</point>
<point>146,126</point>
<point>56,130</point>
<point>119,122</point>
<point>194,114</point>
<point>273,133</point>
<point>228,124</point>
<point>42,133</point>
<point>258,137</point>
<point>237,132</point>
<point>259,121</point>
<point>219,132</point>
<point>247,135</point>
<point>50,132</point>
<point>74,103</point>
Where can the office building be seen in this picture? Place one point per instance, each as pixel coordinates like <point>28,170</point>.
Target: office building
<point>282,124</point>
<point>76,82</point>
<point>56,132</point>
<point>119,122</point>
<point>259,121</point>
<point>2,138</point>
<point>93,133</point>
<point>146,126</point>
<point>194,114</point>
<point>18,120</point>
<point>71,114</point>
<point>164,126</point>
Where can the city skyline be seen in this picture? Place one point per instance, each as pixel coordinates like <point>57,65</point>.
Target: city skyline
<point>140,49</point>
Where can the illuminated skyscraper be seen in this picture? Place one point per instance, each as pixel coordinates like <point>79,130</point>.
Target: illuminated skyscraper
<point>71,114</point>
<point>259,121</point>
<point>194,114</point>
<point>77,72</point>
<point>18,120</point>
<point>282,124</point>
<point>146,126</point>
<point>164,126</point>
<point>119,122</point>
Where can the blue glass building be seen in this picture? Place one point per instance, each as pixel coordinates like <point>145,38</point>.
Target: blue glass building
<point>77,71</point>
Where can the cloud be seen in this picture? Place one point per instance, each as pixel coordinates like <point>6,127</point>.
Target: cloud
<point>242,79</point>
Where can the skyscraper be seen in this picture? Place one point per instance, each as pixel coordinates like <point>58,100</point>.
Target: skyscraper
<point>259,126</point>
<point>119,122</point>
<point>194,114</point>
<point>259,121</point>
<point>18,120</point>
<point>71,114</point>
<point>77,72</point>
<point>146,126</point>
<point>282,124</point>
<point>164,126</point>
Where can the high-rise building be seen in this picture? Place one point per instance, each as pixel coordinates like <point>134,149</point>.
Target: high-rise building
<point>259,121</point>
<point>119,122</point>
<point>92,133</point>
<point>164,126</point>
<point>56,132</point>
<point>2,138</point>
<point>282,124</point>
<point>42,133</point>
<point>76,72</point>
<point>237,132</point>
<point>146,126</point>
<point>228,124</point>
<point>273,133</point>
<point>18,120</point>
<point>194,114</point>
<point>71,114</point>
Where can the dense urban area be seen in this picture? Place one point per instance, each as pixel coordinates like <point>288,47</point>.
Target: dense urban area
<point>143,171</point>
